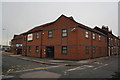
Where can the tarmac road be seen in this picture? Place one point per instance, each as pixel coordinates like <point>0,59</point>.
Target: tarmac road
<point>10,64</point>
<point>99,69</point>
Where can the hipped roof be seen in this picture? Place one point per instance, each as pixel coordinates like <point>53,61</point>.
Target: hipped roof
<point>39,28</point>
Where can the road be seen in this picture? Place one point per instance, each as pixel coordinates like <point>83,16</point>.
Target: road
<point>12,63</point>
<point>26,69</point>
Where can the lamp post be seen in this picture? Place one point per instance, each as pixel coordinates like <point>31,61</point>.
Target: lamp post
<point>6,35</point>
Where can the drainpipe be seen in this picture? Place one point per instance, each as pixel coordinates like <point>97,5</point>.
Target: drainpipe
<point>91,44</point>
<point>41,46</point>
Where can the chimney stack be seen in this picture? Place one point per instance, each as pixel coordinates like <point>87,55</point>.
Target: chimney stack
<point>110,31</point>
<point>105,28</point>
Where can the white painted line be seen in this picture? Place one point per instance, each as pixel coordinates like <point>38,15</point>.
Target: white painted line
<point>80,67</point>
<point>75,69</point>
<point>36,69</point>
<point>53,66</point>
<point>88,66</point>
<point>100,66</point>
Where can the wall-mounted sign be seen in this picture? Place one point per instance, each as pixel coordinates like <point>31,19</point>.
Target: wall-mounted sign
<point>30,37</point>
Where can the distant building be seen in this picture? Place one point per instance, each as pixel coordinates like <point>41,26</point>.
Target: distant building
<point>4,47</point>
<point>16,44</point>
<point>113,42</point>
<point>65,38</point>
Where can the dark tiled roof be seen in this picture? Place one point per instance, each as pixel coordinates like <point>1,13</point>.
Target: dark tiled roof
<point>39,28</point>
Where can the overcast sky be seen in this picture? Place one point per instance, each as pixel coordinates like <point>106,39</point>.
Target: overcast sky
<point>18,17</point>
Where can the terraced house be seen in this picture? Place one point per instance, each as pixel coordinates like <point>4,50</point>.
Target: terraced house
<point>65,38</point>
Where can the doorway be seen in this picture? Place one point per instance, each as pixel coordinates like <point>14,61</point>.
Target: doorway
<point>50,51</point>
<point>19,51</point>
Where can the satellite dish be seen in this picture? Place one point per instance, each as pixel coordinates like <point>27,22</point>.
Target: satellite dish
<point>73,29</point>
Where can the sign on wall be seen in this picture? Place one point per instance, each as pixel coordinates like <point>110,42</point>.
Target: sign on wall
<point>30,37</point>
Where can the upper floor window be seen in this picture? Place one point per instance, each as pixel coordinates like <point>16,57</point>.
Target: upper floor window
<point>37,35</point>
<point>49,34</point>
<point>87,34</point>
<point>36,49</point>
<point>64,32</point>
<point>99,37</point>
<point>115,41</point>
<point>64,49</point>
<point>93,36</point>
<point>24,38</point>
<point>111,41</point>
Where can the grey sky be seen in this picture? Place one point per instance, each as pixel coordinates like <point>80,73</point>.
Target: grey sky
<point>18,17</point>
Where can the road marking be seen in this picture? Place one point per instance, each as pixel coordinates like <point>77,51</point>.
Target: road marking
<point>10,70</point>
<point>39,68</point>
<point>100,66</point>
<point>54,66</point>
<point>80,67</point>
<point>75,69</point>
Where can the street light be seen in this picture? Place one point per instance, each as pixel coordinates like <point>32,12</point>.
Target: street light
<point>6,35</point>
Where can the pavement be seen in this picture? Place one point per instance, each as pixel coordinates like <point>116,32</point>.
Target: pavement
<point>49,61</point>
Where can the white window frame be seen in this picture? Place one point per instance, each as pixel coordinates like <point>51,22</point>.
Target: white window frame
<point>36,49</point>
<point>50,34</point>
<point>64,49</point>
<point>94,36</point>
<point>37,35</point>
<point>99,37</point>
<point>64,33</point>
<point>87,34</point>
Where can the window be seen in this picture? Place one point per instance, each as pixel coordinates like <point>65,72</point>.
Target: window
<point>99,37</point>
<point>49,34</point>
<point>87,34</point>
<point>94,50</point>
<point>37,35</point>
<point>64,32</point>
<point>87,50</point>
<point>29,49</point>
<point>36,49</point>
<point>64,49</point>
<point>115,41</point>
<point>24,38</point>
<point>93,36</point>
<point>111,41</point>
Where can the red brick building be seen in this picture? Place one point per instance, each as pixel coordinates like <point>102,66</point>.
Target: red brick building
<point>16,44</point>
<point>64,39</point>
<point>113,42</point>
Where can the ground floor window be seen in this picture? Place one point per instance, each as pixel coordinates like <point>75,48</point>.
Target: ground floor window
<point>94,50</point>
<point>87,50</point>
<point>64,49</point>
<point>29,48</point>
<point>36,49</point>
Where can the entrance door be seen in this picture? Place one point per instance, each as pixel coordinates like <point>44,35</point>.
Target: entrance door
<point>50,51</point>
<point>19,51</point>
